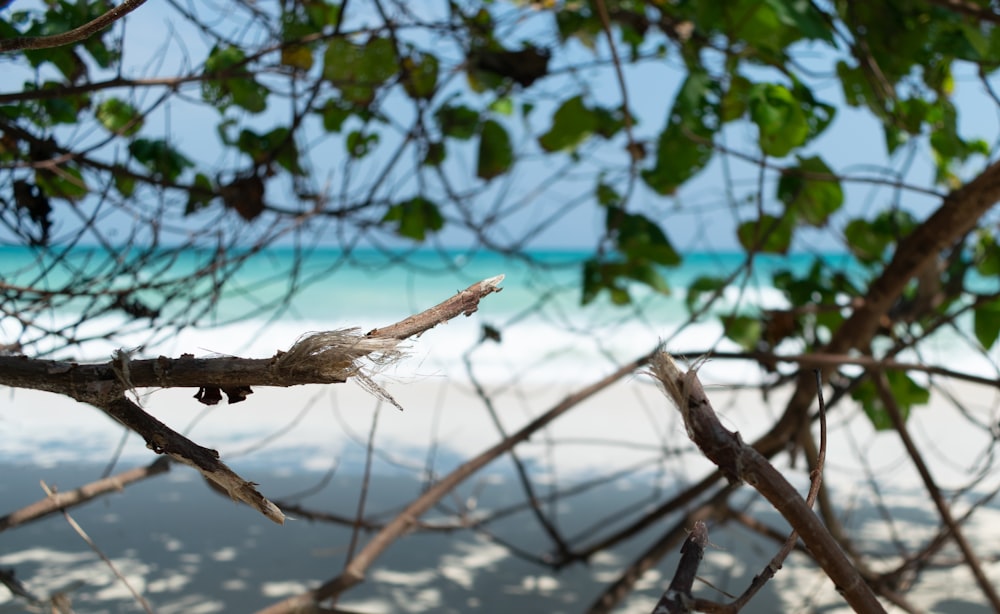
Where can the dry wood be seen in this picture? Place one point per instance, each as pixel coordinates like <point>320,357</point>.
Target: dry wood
<point>740,462</point>
<point>320,358</point>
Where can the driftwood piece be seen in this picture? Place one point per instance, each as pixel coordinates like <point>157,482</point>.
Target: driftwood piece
<point>740,462</point>
<point>328,357</point>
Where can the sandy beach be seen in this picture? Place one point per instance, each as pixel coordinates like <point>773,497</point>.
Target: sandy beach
<point>189,550</point>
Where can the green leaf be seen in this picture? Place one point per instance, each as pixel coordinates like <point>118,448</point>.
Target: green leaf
<point>235,86</point>
<point>744,330</point>
<point>734,102</point>
<point>639,239</point>
<point>159,157</point>
<point>502,106</point>
<point>421,76</point>
<point>360,144</point>
<point>119,117</point>
<point>572,124</point>
<point>65,183</point>
<point>678,155</point>
<point>769,234</point>
<point>781,122</point>
<point>297,56</point>
<point>359,70</point>
<point>613,277</point>
<point>496,155</point>
<point>986,254</point>
<point>201,194</point>
<point>869,240</point>
<point>807,196</point>
<point>905,392</point>
<point>335,112</point>
<point>986,323</point>
<point>803,17</point>
<point>458,122</point>
<point>415,218</point>
<point>607,196</point>
<point>435,154</point>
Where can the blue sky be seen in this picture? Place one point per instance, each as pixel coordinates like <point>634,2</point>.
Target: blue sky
<point>702,216</point>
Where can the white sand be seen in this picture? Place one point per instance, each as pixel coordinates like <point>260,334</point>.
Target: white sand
<point>627,424</point>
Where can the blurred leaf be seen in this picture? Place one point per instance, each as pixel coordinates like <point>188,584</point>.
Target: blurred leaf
<point>503,106</point>
<point>986,253</point>
<point>806,195</point>
<point>496,155</point>
<point>421,76</point>
<point>523,67</point>
<point>415,218</point>
<point>734,102</point>
<point>119,117</point>
<point>235,86</point>
<point>360,144</point>
<point>868,240</point>
<point>744,330</point>
<point>986,323</point>
<point>335,112</point>
<point>781,122</point>
<point>63,182</point>
<point>201,194</point>
<point>613,277</point>
<point>33,201</point>
<point>685,145</point>
<point>435,154</point>
<point>160,158</point>
<point>458,122</point>
<point>769,234</point>
<point>607,196</point>
<point>359,70</point>
<point>297,56</point>
<point>905,391</point>
<point>640,239</point>
<point>572,123</point>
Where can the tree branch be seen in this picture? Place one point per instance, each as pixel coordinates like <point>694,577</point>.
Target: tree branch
<point>740,462</point>
<point>70,498</point>
<point>73,36</point>
<point>321,358</point>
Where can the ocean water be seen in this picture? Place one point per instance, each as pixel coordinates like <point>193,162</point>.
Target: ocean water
<point>276,296</point>
<point>189,550</point>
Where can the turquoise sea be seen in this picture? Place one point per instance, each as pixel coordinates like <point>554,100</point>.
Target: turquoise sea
<point>269,299</point>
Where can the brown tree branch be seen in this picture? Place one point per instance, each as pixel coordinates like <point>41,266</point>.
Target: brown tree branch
<point>740,462</point>
<point>73,36</point>
<point>319,358</point>
<point>71,498</point>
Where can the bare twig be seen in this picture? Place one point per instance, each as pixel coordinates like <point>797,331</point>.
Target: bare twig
<point>93,546</point>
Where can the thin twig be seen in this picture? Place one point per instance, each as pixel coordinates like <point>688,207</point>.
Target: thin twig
<point>93,546</point>
<point>899,424</point>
